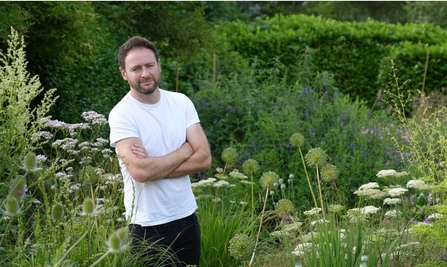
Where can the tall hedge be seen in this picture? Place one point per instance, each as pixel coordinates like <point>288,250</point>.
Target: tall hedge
<point>425,66</point>
<point>351,51</point>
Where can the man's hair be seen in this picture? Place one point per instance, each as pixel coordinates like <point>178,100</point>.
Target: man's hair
<point>135,42</point>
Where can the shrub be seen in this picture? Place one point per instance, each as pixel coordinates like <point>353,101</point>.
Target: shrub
<point>257,112</point>
<point>350,51</point>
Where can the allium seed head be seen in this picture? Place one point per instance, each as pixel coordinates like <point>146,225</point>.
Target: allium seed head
<point>268,179</point>
<point>297,140</point>
<point>241,247</point>
<point>229,155</point>
<point>250,167</point>
<point>30,161</point>
<point>284,208</point>
<point>316,157</point>
<point>329,173</point>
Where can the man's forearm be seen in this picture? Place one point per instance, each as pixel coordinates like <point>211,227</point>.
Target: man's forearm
<point>154,168</point>
<point>199,161</point>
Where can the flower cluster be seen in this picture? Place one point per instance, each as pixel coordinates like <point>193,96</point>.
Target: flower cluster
<point>390,173</point>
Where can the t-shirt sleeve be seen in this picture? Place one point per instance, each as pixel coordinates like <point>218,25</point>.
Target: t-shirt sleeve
<point>191,113</point>
<point>121,127</point>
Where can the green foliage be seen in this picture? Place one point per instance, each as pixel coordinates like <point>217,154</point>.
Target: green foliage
<point>19,119</point>
<point>421,11</point>
<point>350,51</point>
<point>256,112</point>
<point>419,62</point>
<point>426,131</point>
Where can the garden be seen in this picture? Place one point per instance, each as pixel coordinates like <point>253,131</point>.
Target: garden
<point>302,174</point>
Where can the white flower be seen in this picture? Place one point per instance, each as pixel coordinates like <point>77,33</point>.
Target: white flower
<point>417,184</point>
<point>221,183</point>
<point>208,182</point>
<point>435,216</point>
<point>292,227</point>
<point>236,174</point>
<point>392,213</point>
<point>390,173</point>
<point>396,192</point>
<point>391,201</point>
<point>370,210</point>
<point>367,186</point>
<point>320,221</point>
<point>313,211</point>
<point>364,211</point>
<point>367,192</point>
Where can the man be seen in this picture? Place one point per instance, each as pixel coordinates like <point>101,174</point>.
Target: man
<point>159,141</point>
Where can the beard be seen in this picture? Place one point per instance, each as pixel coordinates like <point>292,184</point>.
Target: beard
<point>145,91</point>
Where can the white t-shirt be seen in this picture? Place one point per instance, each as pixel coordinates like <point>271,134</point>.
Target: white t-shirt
<point>162,129</point>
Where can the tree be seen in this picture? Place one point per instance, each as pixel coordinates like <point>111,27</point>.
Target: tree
<point>430,11</point>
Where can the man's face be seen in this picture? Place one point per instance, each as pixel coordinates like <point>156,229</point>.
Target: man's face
<point>142,71</point>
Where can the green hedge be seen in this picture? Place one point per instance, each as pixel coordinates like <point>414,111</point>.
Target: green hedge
<point>352,51</point>
<point>410,61</point>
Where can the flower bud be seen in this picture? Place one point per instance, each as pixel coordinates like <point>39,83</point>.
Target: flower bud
<point>88,207</point>
<point>30,161</point>
<point>118,240</point>
<point>57,212</point>
<point>12,206</point>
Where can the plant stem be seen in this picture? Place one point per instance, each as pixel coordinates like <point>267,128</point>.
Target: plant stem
<point>101,258</point>
<point>71,248</point>
<point>252,197</point>
<point>321,194</point>
<point>308,180</point>
<point>260,226</point>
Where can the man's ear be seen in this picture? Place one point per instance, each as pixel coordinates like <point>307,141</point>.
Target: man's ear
<point>123,74</point>
<point>159,64</point>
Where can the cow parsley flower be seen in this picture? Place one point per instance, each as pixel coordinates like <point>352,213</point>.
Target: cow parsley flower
<point>390,173</point>
<point>397,192</point>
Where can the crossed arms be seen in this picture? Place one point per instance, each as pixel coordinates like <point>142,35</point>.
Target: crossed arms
<point>193,156</point>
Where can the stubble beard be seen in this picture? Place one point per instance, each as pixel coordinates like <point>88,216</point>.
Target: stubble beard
<point>144,91</point>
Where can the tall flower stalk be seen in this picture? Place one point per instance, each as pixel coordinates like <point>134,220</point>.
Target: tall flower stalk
<point>297,140</point>
<point>250,167</point>
<point>317,158</point>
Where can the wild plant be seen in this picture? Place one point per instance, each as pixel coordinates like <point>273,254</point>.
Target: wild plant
<point>425,130</point>
<point>59,203</point>
<point>20,113</point>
